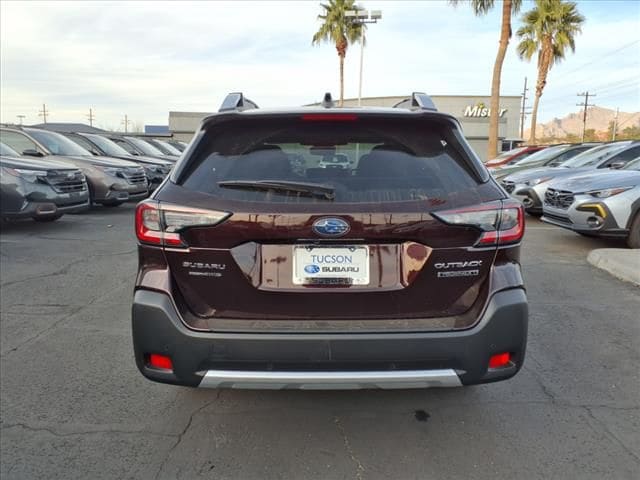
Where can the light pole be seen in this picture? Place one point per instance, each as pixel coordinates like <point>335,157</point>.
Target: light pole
<point>362,17</point>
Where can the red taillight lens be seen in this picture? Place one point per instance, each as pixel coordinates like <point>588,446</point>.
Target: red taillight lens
<point>161,224</point>
<point>148,228</point>
<point>501,223</point>
<point>329,117</point>
<point>161,362</point>
<point>500,360</point>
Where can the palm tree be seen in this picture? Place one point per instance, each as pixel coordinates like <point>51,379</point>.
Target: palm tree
<point>509,8</point>
<point>340,30</point>
<point>549,30</point>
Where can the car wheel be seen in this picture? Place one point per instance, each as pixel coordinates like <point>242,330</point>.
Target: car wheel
<point>111,204</point>
<point>48,218</point>
<point>535,214</point>
<point>633,240</point>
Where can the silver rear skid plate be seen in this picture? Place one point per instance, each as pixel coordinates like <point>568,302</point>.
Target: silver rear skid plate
<point>340,380</point>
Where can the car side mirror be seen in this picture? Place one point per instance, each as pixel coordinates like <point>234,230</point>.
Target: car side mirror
<point>617,165</point>
<point>95,152</point>
<point>32,152</point>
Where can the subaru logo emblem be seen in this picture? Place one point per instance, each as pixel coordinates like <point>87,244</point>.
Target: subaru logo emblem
<point>330,227</point>
<point>312,268</point>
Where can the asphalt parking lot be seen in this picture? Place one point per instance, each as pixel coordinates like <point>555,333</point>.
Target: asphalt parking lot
<point>73,404</point>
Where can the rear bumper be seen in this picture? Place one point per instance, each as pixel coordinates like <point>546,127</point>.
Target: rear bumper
<point>328,361</point>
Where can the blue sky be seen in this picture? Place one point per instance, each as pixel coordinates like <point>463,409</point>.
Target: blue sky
<point>146,58</point>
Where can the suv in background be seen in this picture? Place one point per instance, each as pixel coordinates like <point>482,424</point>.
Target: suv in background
<point>137,146</point>
<point>604,203</point>
<point>555,154</point>
<point>41,190</point>
<point>515,155</point>
<point>399,271</point>
<point>530,186</point>
<point>111,181</point>
<point>155,169</point>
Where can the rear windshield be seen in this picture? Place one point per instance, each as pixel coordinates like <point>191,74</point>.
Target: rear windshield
<point>542,155</point>
<point>362,161</point>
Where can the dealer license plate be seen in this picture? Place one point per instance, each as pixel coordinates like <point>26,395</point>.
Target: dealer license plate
<point>331,265</point>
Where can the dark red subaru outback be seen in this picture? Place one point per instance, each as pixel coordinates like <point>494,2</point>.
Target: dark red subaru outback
<point>329,248</point>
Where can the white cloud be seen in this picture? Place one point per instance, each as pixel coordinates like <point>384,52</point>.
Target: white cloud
<point>146,58</point>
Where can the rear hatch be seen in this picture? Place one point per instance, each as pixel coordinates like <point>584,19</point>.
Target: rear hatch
<point>260,226</point>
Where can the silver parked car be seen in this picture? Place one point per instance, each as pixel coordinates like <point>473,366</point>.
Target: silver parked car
<point>603,203</point>
<point>530,186</point>
<point>553,155</point>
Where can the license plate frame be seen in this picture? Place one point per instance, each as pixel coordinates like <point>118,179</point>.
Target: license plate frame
<point>336,269</point>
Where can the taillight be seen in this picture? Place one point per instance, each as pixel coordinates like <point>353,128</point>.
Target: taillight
<point>501,223</point>
<point>161,224</point>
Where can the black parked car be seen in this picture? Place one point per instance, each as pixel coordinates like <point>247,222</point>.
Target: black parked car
<point>156,169</point>
<point>164,146</point>
<point>137,146</point>
<point>398,270</point>
<point>111,181</point>
<point>178,144</point>
<point>41,190</point>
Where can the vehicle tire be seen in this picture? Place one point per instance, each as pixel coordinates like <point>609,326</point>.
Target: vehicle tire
<point>112,204</point>
<point>633,240</point>
<point>535,214</point>
<point>48,218</point>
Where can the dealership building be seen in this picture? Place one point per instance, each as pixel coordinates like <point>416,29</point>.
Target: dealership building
<point>472,112</point>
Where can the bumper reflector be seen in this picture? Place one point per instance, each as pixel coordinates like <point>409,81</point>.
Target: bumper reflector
<point>161,362</point>
<point>500,360</point>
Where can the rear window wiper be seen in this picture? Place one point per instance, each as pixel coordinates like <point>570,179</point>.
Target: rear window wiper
<point>309,189</point>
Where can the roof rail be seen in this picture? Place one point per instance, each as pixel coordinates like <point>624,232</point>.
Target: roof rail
<point>418,100</point>
<point>236,102</point>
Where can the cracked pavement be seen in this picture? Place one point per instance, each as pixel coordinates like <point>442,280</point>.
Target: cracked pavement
<point>73,405</point>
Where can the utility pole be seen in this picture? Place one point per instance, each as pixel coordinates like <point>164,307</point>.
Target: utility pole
<point>43,113</point>
<point>586,104</point>
<point>126,123</point>
<point>524,107</point>
<point>21,117</point>
<point>615,125</point>
<point>91,117</point>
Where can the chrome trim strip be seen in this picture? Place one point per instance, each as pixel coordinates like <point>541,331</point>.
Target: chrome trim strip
<point>339,380</point>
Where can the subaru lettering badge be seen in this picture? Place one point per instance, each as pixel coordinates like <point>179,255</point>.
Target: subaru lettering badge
<point>330,227</point>
<point>312,269</point>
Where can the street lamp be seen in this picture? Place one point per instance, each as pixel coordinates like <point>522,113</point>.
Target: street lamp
<point>362,17</point>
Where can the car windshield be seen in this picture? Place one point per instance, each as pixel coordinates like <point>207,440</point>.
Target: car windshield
<point>632,165</point>
<point>509,153</point>
<point>543,155</point>
<point>170,148</point>
<point>145,147</point>
<point>594,156</point>
<point>58,144</point>
<point>106,145</point>
<point>8,151</point>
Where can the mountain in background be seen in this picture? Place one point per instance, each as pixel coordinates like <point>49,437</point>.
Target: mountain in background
<point>598,119</point>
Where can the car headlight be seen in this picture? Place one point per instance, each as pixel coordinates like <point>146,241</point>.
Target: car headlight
<point>537,181</point>
<point>113,171</point>
<point>31,176</point>
<point>608,192</point>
